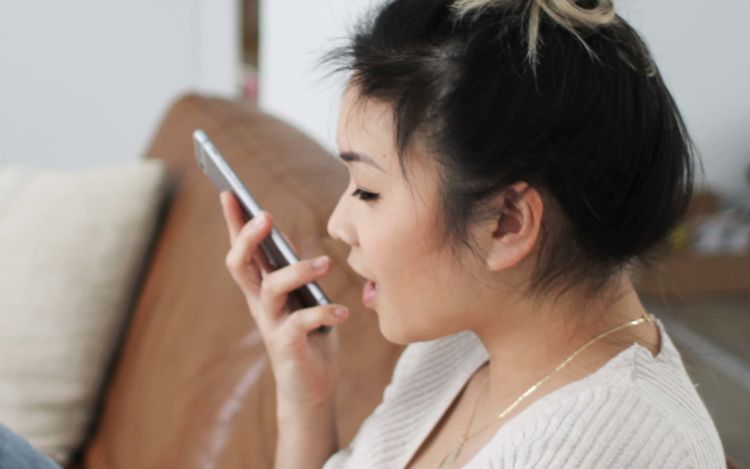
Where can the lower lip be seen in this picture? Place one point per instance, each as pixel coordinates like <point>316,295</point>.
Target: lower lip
<point>368,293</point>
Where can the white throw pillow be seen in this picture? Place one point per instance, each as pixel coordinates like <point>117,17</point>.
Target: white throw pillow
<point>72,244</point>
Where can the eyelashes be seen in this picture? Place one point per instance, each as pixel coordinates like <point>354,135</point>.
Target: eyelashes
<point>365,196</point>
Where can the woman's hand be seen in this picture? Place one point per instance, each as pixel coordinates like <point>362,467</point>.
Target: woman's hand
<point>302,360</point>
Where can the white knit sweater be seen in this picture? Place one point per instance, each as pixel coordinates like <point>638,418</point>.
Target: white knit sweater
<point>637,411</point>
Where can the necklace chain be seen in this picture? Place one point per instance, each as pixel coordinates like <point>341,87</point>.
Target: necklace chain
<point>453,455</point>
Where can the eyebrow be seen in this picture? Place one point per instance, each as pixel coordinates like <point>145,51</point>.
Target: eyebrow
<point>350,156</point>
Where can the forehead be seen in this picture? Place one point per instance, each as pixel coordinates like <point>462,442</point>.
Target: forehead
<point>364,121</point>
<point>367,126</point>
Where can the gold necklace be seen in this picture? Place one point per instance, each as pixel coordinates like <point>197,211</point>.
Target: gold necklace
<point>453,455</point>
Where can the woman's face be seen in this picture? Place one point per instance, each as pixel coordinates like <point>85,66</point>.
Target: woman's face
<point>421,291</point>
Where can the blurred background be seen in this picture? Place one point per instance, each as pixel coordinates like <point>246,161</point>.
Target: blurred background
<point>84,83</point>
<point>78,76</point>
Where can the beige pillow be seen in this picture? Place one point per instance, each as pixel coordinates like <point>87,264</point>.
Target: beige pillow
<point>72,243</point>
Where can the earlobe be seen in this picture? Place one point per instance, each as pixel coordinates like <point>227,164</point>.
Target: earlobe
<point>516,228</point>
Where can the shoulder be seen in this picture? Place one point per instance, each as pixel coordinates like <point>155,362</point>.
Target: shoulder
<point>665,388</point>
<point>613,427</point>
<point>637,411</point>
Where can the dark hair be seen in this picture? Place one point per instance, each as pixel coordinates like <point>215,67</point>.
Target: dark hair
<point>561,94</point>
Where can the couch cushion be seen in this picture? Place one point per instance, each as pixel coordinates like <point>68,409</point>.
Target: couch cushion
<point>193,388</point>
<point>72,244</point>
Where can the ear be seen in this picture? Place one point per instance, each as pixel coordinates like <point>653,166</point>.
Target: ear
<point>516,227</point>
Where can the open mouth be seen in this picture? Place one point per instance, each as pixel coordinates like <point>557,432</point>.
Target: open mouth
<point>369,292</point>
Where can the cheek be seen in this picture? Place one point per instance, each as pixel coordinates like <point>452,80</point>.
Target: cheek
<point>416,293</point>
<point>420,304</point>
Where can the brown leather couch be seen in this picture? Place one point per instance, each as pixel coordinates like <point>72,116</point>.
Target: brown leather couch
<point>191,386</point>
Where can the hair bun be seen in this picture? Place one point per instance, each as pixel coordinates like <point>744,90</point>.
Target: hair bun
<point>572,15</point>
<point>569,11</point>
<point>575,13</point>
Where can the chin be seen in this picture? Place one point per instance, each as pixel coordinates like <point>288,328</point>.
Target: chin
<point>393,333</point>
<point>401,334</point>
<point>390,335</point>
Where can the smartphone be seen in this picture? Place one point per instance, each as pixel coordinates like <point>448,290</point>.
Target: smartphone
<point>275,248</point>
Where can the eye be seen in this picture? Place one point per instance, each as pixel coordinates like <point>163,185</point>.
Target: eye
<point>365,196</point>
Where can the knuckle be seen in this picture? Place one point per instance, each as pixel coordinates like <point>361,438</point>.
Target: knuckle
<point>301,321</point>
<point>268,289</point>
<point>240,241</point>
<point>246,233</point>
<point>251,231</point>
<point>287,338</point>
<point>229,260</point>
<point>233,260</point>
<point>296,320</point>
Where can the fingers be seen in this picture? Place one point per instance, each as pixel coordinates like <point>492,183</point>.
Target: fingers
<point>277,284</point>
<point>235,219</point>
<point>246,249</point>
<point>267,291</point>
<point>232,214</point>
<point>259,258</point>
<point>303,321</point>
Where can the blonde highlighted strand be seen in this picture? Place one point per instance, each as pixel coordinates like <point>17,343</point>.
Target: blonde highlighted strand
<point>566,13</point>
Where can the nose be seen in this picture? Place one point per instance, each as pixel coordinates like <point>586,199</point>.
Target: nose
<point>339,224</point>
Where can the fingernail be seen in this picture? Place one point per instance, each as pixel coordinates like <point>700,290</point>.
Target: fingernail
<point>339,312</point>
<point>260,219</point>
<point>320,262</point>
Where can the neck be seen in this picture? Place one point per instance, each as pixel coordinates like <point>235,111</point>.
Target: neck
<point>532,337</point>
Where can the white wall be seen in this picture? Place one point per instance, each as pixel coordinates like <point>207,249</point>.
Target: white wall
<point>85,82</point>
<point>293,36</point>
<point>703,53</point>
<point>701,48</point>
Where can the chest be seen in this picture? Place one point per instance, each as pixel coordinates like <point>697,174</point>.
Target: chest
<point>444,443</point>
<point>444,450</point>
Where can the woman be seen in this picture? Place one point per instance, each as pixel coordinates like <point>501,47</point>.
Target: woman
<point>509,161</point>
